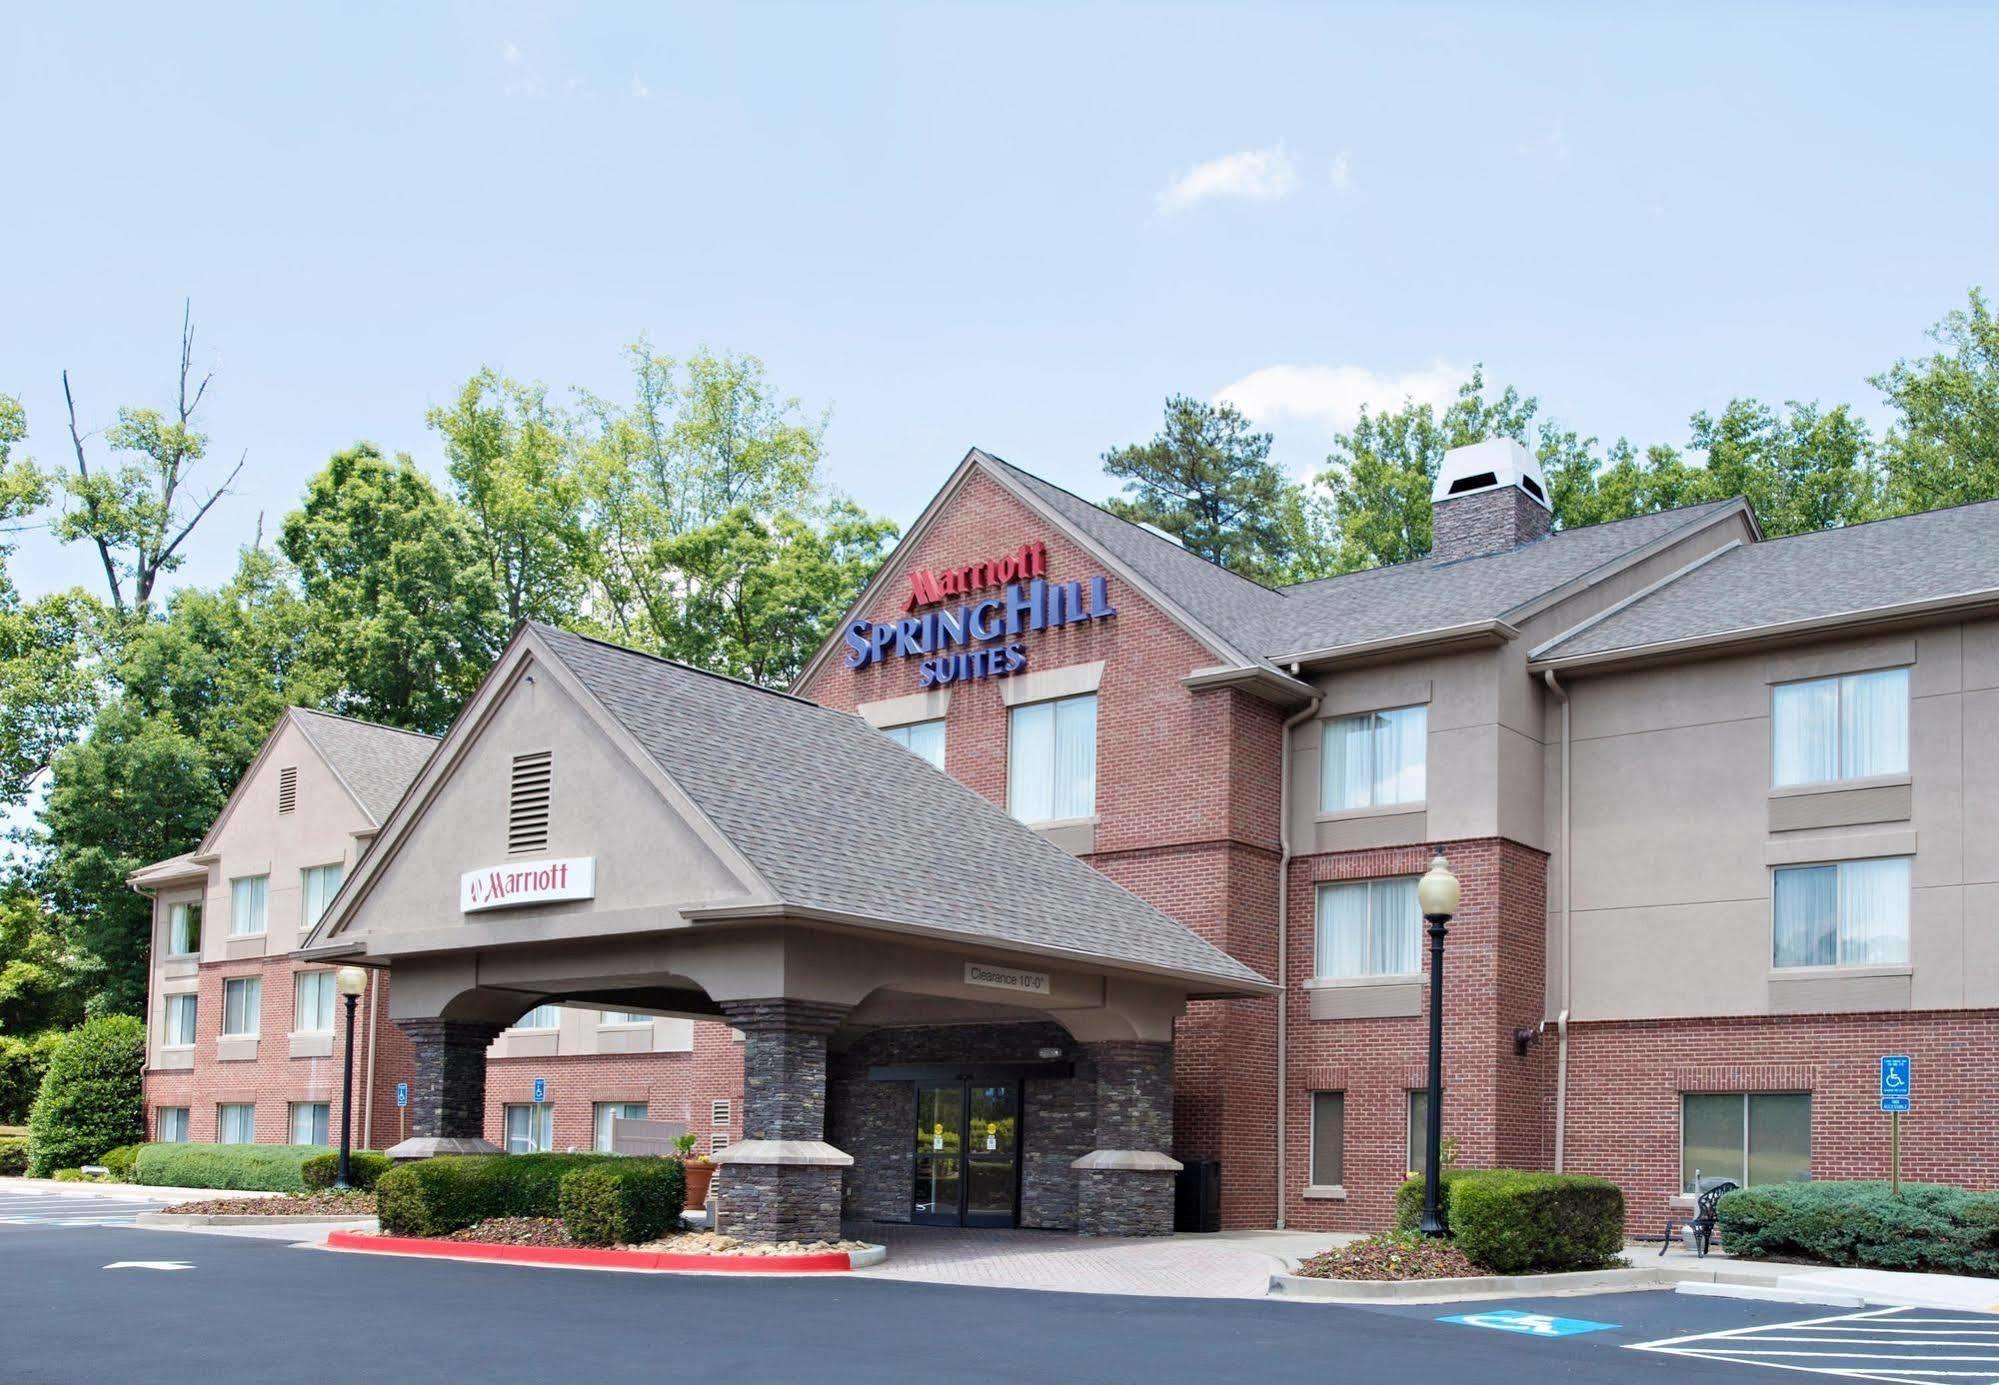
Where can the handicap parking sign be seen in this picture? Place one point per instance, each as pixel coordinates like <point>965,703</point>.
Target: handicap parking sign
<point>1898,1082</point>
<point>1529,1324</point>
<point>402,1093</point>
<point>540,1090</point>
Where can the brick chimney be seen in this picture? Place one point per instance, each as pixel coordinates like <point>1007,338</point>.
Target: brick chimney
<point>1489,497</point>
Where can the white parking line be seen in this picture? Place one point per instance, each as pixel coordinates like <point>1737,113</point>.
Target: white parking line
<point>1856,1346</point>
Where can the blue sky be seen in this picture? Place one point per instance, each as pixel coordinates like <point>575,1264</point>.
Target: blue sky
<point>1017,227</point>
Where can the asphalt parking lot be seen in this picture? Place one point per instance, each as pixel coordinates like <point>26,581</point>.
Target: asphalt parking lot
<point>94,1303</point>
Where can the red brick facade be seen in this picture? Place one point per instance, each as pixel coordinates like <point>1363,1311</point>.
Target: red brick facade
<point>674,1087</point>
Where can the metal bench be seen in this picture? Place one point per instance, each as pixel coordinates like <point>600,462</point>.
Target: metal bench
<point>1708,1193</point>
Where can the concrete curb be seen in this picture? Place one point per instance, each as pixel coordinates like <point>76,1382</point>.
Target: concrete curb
<point>627,1261</point>
<point>1452,1290</point>
<point>169,1220</point>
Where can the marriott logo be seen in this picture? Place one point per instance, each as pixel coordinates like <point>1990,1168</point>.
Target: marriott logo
<point>929,588</point>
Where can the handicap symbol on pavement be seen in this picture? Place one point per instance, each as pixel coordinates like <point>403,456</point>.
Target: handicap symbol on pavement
<point>1529,1324</point>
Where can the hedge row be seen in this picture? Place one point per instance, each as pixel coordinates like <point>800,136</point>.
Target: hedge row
<point>1514,1221</point>
<point>13,1156</point>
<point>611,1200</point>
<point>364,1168</point>
<point>262,1168</point>
<point>1929,1227</point>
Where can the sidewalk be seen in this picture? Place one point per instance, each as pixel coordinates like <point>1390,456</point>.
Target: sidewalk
<point>48,1187</point>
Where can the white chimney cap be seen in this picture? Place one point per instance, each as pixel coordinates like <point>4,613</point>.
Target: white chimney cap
<point>1490,465</point>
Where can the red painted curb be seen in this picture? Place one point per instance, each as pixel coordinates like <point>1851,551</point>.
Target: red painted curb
<point>820,1262</point>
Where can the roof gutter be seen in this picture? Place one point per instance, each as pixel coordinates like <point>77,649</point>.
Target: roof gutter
<point>1492,631</point>
<point>1269,684</point>
<point>1310,710</point>
<point>1568,877</point>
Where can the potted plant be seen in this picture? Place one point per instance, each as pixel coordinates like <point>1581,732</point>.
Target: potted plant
<point>699,1171</point>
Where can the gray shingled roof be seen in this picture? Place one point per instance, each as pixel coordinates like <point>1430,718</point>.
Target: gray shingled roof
<point>377,763</point>
<point>837,817</point>
<point>1834,572</point>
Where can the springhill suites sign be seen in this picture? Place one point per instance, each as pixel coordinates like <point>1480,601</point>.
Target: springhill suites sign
<point>527,882</point>
<point>981,638</point>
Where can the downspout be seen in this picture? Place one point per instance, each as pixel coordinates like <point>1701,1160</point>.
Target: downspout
<point>1568,876</point>
<point>1284,930</point>
<point>368,1092</point>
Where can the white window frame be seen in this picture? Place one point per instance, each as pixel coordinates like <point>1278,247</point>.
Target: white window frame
<point>240,895</point>
<point>1330,736</point>
<point>251,1010</point>
<point>603,1113</point>
<point>906,735</point>
<point>179,1005</point>
<point>1324,890</point>
<point>1840,940</point>
<point>178,913</point>
<point>319,981</point>
<point>1842,685</point>
<point>1054,705</point>
<point>622,1019</point>
<point>533,1021</point>
<point>540,1124</point>
<point>170,1125</point>
<point>1312,1141</point>
<point>324,1120</point>
<point>313,887</point>
<point>222,1121</point>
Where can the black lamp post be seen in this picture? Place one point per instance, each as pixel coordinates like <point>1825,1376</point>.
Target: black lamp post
<point>1437,896</point>
<point>350,982</point>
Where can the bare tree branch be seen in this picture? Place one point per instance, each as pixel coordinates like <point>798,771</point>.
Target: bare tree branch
<point>90,502</point>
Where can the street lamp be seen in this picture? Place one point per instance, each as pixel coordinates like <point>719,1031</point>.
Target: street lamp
<point>1437,897</point>
<point>350,982</point>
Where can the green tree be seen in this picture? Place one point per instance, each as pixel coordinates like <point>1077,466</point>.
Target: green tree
<point>513,464</point>
<point>41,981</point>
<point>1207,479</point>
<point>92,1096</point>
<point>139,513</point>
<point>401,612</point>
<point>1943,448</point>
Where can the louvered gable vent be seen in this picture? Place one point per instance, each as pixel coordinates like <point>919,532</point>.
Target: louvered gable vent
<point>287,788</point>
<point>527,802</point>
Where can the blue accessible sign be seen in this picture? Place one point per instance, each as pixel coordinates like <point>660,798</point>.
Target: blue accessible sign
<point>1898,1083</point>
<point>540,1090</point>
<point>403,1097</point>
<point>1529,1324</point>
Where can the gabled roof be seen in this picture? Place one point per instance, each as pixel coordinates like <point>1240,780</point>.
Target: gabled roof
<point>377,763</point>
<point>159,873</point>
<point>1860,572</point>
<point>840,821</point>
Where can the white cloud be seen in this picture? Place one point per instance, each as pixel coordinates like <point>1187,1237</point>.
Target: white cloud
<point>1256,175</point>
<point>1342,171</point>
<point>522,78</point>
<point>1333,395</point>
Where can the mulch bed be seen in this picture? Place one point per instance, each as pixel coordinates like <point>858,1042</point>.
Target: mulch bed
<point>1392,1257</point>
<point>516,1231</point>
<point>549,1231</point>
<point>325,1203</point>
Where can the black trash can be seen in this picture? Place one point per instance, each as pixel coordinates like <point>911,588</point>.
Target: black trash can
<point>1197,1196</point>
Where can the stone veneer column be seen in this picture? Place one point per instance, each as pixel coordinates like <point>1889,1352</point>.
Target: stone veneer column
<point>1124,1187</point>
<point>447,1087</point>
<point>781,1182</point>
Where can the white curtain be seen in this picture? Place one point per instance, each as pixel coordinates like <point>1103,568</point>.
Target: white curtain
<point>1342,948</point>
<point>1400,742</point>
<point>1373,759</point>
<point>1805,917</point>
<point>313,1009</point>
<point>926,738</point>
<point>1804,732</point>
<point>1346,764</point>
<point>180,1019</point>
<point>1397,928</point>
<point>321,884</point>
<point>1030,762</point>
<point>247,897</point>
<point>238,1125</point>
<point>1076,757</point>
<point>1874,912</point>
<point>242,1005</point>
<point>1874,723</point>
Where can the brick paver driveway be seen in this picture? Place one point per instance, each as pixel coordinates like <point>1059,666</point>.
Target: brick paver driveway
<point>1227,1265</point>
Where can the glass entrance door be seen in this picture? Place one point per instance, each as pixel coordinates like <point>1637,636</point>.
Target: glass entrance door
<point>967,1153</point>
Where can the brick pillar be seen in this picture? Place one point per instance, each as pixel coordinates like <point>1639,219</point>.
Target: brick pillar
<point>447,1087</point>
<point>1125,1185</point>
<point>781,1182</point>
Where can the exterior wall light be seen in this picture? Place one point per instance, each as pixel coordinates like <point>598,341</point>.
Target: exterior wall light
<point>350,982</point>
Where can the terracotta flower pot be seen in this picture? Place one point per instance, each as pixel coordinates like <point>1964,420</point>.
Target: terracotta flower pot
<point>700,1173</point>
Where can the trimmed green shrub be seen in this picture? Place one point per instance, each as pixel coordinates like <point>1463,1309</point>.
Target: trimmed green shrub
<point>91,1099</point>
<point>1519,1222</point>
<point>260,1168</point>
<point>13,1157</point>
<point>122,1162</point>
<point>22,1064</point>
<point>72,1176</point>
<point>1409,1197</point>
<point>1929,1227</point>
<point>435,1197</point>
<point>623,1202</point>
<point>364,1167</point>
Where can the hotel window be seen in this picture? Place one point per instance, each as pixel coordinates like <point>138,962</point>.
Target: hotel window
<point>1851,727</point>
<point>924,738</point>
<point>1853,914</point>
<point>309,1123</point>
<point>183,930</point>
<point>1419,1129</point>
<point>180,1019</point>
<point>1374,759</point>
<point>541,1017</point>
<point>1329,1134</point>
<point>312,1007</point>
<point>321,883</point>
<point>242,1004</point>
<point>247,897</point>
<point>530,1128</point>
<point>621,1017</point>
<point>1051,760</point>
<point>1749,1137</point>
<point>605,1112</point>
<point>170,1125</point>
<point>1369,928</point>
<point>236,1124</point>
